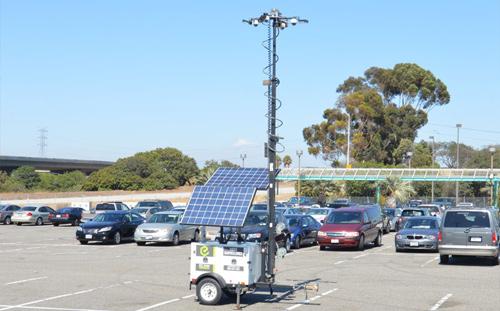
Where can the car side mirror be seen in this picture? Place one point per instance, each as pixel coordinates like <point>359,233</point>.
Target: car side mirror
<point>322,221</point>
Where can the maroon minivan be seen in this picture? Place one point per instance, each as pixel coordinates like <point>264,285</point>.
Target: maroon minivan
<point>352,227</point>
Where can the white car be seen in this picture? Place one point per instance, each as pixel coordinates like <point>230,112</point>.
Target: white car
<point>35,214</point>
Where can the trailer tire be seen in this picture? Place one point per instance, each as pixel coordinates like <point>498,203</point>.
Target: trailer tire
<point>209,291</point>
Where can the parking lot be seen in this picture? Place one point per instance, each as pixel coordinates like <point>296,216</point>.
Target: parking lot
<point>44,268</point>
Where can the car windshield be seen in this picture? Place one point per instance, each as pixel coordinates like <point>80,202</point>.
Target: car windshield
<point>165,218</point>
<point>322,211</point>
<point>108,217</point>
<point>256,219</point>
<point>415,223</point>
<point>412,212</point>
<point>467,219</point>
<point>29,208</point>
<point>2,207</point>
<point>389,212</point>
<point>344,218</point>
<point>65,210</point>
<point>293,221</point>
<point>147,204</point>
<point>105,207</point>
<point>140,210</point>
<point>259,207</point>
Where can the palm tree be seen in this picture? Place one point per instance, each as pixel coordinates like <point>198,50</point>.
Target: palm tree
<point>278,161</point>
<point>397,190</point>
<point>287,161</point>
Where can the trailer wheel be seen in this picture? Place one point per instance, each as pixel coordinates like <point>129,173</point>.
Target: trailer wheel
<point>208,291</point>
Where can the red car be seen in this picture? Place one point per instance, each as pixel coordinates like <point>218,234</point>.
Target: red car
<point>352,228</point>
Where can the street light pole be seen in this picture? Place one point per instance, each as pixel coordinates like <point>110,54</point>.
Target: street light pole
<point>433,161</point>
<point>299,154</point>
<point>409,154</point>
<point>275,22</point>
<point>348,165</point>
<point>243,157</point>
<point>458,161</point>
<point>492,154</point>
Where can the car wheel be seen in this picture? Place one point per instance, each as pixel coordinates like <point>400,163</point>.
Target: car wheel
<point>55,225</point>
<point>444,259</point>
<point>18,224</point>
<point>84,242</point>
<point>361,244</point>
<point>398,250</point>
<point>495,261</point>
<point>196,237</point>
<point>175,239</point>
<point>7,221</point>
<point>322,247</point>
<point>297,242</point>
<point>141,243</point>
<point>208,291</point>
<point>75,222</point>
<point>378,240</point>
<point>288,244</point>
<point>39,221</point>
<point>117,238</point>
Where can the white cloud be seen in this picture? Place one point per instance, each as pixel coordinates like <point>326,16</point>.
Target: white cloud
<point>241,142</point>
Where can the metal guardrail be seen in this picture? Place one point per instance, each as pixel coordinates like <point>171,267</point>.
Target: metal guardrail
<point>376,174</point>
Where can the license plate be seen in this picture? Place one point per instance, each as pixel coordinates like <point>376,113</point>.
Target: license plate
<point>334,241</point>
<point>476,239</point>
<point>149,237</point>
<point>58,216</point>
<point>88,236</point>
<point>413,243</point>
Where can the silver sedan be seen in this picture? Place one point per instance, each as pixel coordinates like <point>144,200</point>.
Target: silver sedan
<point>165,227</point>
<point>34,214</point>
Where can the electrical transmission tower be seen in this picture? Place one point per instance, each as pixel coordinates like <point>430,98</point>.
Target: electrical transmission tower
<point>42,144</point>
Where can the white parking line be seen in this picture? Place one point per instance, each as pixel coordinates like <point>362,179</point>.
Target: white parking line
<point>360,256</point>
<point>188,296</point>
<point>295,306</point>
<point>49,308</point>
<point>339,262</point>
<point>26,280</point>
<point>159,304</point>
<point>440,302</point>
<point>429,261</point>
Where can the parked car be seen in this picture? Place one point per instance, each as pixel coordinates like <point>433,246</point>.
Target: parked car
<point>110,206</point>
<point>467,231</point>
<point>34,214</point>
<point>407,213</point>
<point>288,211</point>
<point>432,209</point>
<point>259,207</point>
<point>113,227</point>
<point>163,205</point>
<point>296,201</point>
<point>318,213</point>
<point>465,204</point>
<point>255,229</point>
<point>444,202</point>
<point>6,212</point>
<point>146,212</point>
<point>393,214</point>
<point>339,203</point>
<point>418,233</point>
<point>67,215</point>
<point>415,203</point>
<point>165,227</point>
<point>352,227</point>
<point>303,228</point>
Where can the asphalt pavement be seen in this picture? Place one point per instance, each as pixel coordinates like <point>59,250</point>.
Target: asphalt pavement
<point>44,268</point>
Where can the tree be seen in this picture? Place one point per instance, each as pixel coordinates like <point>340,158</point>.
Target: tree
<point>278,161</point>
<point>287,161</point>
<point>447,154</point>
<point>384,107</point>
<point>70,181</point>
<point>27,176</point>
<point>397,191</point>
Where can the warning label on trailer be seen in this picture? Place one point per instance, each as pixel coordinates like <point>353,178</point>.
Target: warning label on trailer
<point>234,251</point>
<point>204,251</point>
<point>204,267</point>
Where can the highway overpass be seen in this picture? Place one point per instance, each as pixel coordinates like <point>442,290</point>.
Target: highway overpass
<point>10,163</point>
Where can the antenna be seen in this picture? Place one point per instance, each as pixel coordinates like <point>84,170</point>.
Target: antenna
<point>42,141</point>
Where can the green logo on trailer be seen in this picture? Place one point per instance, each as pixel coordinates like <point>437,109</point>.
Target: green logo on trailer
<point>204,251</point>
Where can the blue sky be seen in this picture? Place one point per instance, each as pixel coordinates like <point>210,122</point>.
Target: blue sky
<point>111,78</point>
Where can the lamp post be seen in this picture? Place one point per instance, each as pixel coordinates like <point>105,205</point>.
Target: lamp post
<point>299,154</point>
<point>433,161</point>
<point>243,157</point>
<point>492,154</point>
<point>458,160</point>
<point>348,164</point>
<point>275,22</point>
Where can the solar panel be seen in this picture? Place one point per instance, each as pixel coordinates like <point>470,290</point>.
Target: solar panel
<point>240,177</point>
<point>218,206</point>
